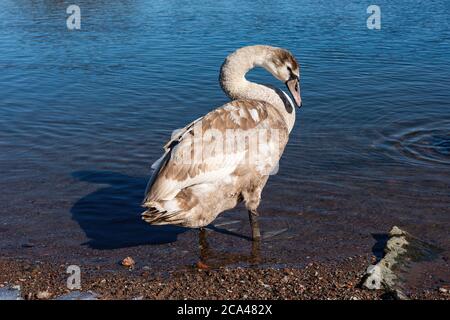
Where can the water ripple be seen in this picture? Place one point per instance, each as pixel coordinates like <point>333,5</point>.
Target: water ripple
<point>420,145</point>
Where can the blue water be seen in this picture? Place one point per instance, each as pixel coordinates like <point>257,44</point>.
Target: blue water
<point>84,113</point>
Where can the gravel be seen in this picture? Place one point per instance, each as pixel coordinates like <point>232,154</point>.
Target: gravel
<point>330,280</point>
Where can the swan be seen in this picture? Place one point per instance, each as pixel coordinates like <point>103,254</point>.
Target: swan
<point>195,180</point>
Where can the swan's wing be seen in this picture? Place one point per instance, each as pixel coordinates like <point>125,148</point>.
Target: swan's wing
<point>156,167</point>
<point>208,149</point>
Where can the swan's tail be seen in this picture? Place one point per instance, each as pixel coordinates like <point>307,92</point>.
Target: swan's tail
<point>157,215</point>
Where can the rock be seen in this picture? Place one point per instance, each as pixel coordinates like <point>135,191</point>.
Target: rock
<point>128,262</point>
<point>381,276</point>
<point>10,293</point>
<point>374,277</point>
<point>400,250</point>
<point>443,290</point>
<point>44,295</point>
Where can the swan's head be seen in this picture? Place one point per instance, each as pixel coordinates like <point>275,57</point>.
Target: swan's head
<point>283,66</point>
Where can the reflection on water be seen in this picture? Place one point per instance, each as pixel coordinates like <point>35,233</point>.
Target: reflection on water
<point>211,258</point>
<point>370,148</point>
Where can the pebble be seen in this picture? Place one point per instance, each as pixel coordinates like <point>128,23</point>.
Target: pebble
<point>266,286</point>
<point>338,282</point>
<point>43,295</point>
<point>128,262</point>
<point>201,266</point>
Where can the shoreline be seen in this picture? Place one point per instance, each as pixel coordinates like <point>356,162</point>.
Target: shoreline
<point>317,280</point>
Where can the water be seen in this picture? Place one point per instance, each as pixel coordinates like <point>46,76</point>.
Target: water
<point>83,114</point>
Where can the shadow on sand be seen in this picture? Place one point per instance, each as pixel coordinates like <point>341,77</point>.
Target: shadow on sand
<point>110,216</point>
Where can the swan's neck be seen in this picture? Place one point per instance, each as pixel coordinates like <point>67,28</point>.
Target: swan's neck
<point>236,86</point>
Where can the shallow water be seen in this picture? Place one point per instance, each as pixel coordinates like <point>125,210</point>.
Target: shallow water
<point>83,114</point>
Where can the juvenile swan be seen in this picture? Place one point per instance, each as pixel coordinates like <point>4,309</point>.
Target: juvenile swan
<point>226,156</point>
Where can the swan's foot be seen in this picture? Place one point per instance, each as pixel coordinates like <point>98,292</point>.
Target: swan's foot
<point>274,233</point>
<point>253,216</point>
<point>226,223</point>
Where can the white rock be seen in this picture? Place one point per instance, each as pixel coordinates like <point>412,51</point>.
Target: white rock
<point>10,293</point>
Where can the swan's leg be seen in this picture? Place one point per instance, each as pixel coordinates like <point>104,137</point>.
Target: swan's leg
<point>204,249</point>
<point>203,244</point>
<point>252,198</point>
<point>256,252</point>
<point>253,216</point>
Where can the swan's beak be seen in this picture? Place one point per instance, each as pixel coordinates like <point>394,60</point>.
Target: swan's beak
<point>294,88</point>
